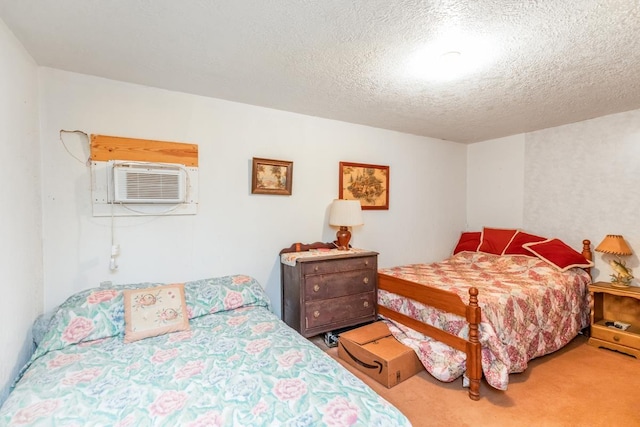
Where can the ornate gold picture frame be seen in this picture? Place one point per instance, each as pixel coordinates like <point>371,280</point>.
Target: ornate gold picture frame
<point>367,183</point>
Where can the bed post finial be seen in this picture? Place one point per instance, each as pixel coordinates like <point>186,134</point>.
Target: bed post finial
<point>586,249</point>
<point>586,252</point>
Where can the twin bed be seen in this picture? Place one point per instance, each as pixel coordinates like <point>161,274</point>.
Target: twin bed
<point>236,364</point>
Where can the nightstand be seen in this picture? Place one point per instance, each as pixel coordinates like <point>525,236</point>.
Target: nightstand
<point>609,304</point>
<point>325,290</point>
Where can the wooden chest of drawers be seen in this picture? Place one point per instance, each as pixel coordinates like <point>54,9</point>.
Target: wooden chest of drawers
<point>325,293</point>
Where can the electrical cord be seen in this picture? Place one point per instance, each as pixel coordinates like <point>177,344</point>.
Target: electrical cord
<point>84,162</point>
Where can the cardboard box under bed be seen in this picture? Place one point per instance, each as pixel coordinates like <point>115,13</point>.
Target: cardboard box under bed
<point>373,350</point>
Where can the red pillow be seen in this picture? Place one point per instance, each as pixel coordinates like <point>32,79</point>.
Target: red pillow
<point>521,238</point>
<point>469,241</point>
<point>495,240</point>
<point>558,254</point>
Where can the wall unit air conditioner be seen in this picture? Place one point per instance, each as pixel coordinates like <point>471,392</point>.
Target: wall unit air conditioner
<point>128,188</point>
<point>142,184</point>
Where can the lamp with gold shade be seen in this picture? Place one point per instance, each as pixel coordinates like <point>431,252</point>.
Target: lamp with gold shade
<point>615,244</point>
<point>345,214</point>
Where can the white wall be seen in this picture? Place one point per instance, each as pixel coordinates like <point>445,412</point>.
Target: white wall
<point>20,218</point>
<point>580,181</point>
<point>495,183</point>
<point>234,231</point>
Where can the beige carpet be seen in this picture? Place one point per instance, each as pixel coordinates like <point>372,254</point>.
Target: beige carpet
<point>578,385</point>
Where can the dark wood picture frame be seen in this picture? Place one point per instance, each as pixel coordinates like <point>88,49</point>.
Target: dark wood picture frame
<point>271,176</point>
<point>367,183</point>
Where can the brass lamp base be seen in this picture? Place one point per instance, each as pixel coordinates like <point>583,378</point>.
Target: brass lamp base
<point>343,237</point>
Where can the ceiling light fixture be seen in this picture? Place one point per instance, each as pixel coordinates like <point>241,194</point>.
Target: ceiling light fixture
<point>450,61</point>
<point>443,66</point>
<point>451,56</point>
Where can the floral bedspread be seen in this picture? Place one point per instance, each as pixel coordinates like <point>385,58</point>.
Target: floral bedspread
<point>529,309</point>
<point>238,365</point>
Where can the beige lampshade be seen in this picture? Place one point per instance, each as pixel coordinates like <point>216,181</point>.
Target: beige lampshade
<point>614,244</point>
<point>345,213</point>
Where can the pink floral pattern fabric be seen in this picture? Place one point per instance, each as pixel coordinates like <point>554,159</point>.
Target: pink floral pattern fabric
<point>529,309</point>
<point>235,366</point>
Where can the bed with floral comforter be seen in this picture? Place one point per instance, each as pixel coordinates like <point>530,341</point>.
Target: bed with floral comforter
<point>529,309</point>
<point>238,365</point>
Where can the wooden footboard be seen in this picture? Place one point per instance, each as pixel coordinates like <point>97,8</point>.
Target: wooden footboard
<point>450,303</point>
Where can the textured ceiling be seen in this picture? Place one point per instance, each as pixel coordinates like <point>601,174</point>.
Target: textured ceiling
<point>533,64</point>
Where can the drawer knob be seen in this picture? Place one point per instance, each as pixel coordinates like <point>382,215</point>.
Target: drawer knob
<point>366,304</point>
<point>366,263</point>
<point>365,280</point>
<point>316,314</point>
<point>316,268</point>
<point>616,338</point>
<point>316,288</point>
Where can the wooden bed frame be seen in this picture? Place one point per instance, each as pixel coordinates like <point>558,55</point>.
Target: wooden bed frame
<point>451,303</point>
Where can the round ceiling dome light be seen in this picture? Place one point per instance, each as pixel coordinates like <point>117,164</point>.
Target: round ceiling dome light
<point>450,62</point>
<point>451,56</point>
<point>437,66</point>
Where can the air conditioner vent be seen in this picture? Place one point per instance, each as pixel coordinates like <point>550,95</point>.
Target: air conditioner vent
<point>148,184</point>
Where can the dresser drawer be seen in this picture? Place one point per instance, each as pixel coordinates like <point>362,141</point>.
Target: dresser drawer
<point>335,285</point>
<point>339,265</point>
<point>335,310</point>
<point>616,336</point>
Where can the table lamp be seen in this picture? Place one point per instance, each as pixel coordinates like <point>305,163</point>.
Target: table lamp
<point>615,244</point>
<point>345,214</point>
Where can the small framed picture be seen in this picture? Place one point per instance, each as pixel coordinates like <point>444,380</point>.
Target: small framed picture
<point>271,177</point>
<point>367,183</point>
